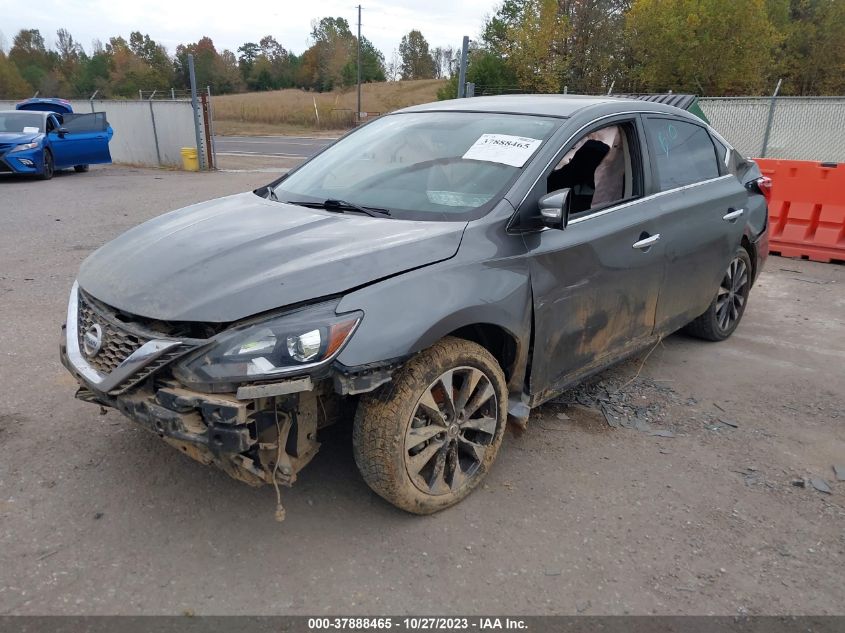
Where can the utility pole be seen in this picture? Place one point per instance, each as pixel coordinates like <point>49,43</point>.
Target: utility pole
<point>770,119</point>
<point>195,106</point>
<point>462,71</point>
<point>358,112</point>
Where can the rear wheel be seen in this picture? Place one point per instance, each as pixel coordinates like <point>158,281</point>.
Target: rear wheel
<point>80,168</point>
<point>428,438</point>
<point>47,167</point>
<point>726,310</point>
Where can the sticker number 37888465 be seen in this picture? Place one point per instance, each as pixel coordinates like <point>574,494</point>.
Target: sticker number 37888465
<point>503,148</point>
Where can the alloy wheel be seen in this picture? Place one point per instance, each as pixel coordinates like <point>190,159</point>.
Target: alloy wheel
<point>453,426</point>
<point>732,295</point>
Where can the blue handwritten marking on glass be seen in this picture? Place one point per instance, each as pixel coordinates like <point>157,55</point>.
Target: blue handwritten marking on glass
<point>664,138</point>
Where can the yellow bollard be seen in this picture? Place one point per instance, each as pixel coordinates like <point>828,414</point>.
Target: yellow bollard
<point>190,161</point>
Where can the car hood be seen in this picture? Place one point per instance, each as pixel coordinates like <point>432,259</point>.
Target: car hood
<point>230,258</point>
<point>17,138</point>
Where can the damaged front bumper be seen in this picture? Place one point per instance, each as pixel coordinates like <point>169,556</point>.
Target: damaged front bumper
<point>260,441</point>
<point>262,433</point>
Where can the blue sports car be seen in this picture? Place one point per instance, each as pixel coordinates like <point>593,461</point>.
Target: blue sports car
<point>43,135</point>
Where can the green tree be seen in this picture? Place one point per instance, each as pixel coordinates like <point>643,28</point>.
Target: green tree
<point>324,62</point>
<point>159,74</point>
<point>549,46</point>
<point>811,58</point>
<point>12,84</point>
<point>710,47</point>
<point>30,55</point>
<point>372,64</point>
<point>417,62</point>
<point>594,45</point>
<point>94,75</point>
<point>534,46</point>
<point>219,71</point>
<point>227,76</point>
<point>69,50</point>
<point>249,52</point>
<point>489,73</point>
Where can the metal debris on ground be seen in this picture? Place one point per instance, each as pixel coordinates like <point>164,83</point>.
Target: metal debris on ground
<point>722,423</point>
<point>645,405</point>
<point>839,471</point>
<point>751,476</point>
<point>820,485</point>
<point>632,405</point>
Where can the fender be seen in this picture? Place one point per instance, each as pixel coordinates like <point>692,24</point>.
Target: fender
<point>410,312</point>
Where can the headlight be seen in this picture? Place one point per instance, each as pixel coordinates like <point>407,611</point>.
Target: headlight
<point>25,146</point>
<point>282,345</point>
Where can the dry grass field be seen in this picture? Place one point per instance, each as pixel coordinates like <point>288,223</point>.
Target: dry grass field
<point>293,110</point>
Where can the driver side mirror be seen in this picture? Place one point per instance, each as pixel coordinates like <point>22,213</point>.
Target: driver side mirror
<point>62,131</point>
<point>554,209</point>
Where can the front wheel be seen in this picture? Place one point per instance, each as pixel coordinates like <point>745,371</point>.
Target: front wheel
<point>427,439</point>
<point>47,167</point>
<point>726,310</point>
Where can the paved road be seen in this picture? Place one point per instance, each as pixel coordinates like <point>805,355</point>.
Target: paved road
<point>283,146</point>
<point>100,517</point>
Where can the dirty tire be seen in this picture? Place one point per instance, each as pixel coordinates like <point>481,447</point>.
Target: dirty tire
<point>48,167</point>
<point>385,418</point>
<point>711,326</point>
<point>79,169</point>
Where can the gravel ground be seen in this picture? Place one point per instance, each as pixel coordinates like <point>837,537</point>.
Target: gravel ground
<point>676,483</point>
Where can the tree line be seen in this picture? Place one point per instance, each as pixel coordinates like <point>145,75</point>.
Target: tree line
<point>707,47</point>
<point>121,67</point>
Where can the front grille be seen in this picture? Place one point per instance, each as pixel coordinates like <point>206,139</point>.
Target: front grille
<point>4,168</point>
<point>118,343</point>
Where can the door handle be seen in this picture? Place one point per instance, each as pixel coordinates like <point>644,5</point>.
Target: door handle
<point>730,216</point>
<point>647,242</point>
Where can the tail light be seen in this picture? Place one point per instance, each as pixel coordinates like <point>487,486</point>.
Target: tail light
<point>762,185</point>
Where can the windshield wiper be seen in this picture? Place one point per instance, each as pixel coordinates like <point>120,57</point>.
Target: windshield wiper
<point>342,206</point>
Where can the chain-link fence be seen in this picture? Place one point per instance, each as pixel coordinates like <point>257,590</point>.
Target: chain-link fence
<point>799,128</point>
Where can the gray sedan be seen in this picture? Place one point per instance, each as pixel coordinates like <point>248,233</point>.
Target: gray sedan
<point>431,275</point>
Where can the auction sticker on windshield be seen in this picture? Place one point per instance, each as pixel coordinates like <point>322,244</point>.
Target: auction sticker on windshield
<point>503,148</point>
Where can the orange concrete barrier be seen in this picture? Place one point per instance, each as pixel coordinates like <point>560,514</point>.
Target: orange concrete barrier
<point>806,208</point>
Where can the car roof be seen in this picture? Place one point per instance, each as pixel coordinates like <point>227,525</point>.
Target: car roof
<point>555,105</point>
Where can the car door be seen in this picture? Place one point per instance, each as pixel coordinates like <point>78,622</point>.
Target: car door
<point>59,145</point>
<point>596,282</point>
<point>84,141</point>
<point>703,215</point>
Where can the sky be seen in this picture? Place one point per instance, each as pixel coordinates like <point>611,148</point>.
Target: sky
<point>231,23</point>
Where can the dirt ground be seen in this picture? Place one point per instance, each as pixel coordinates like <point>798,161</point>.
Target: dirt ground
<point>672,484</point>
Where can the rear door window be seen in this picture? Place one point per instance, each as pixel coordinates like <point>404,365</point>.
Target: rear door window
<point>76,123</point>
<point>682,153</point>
